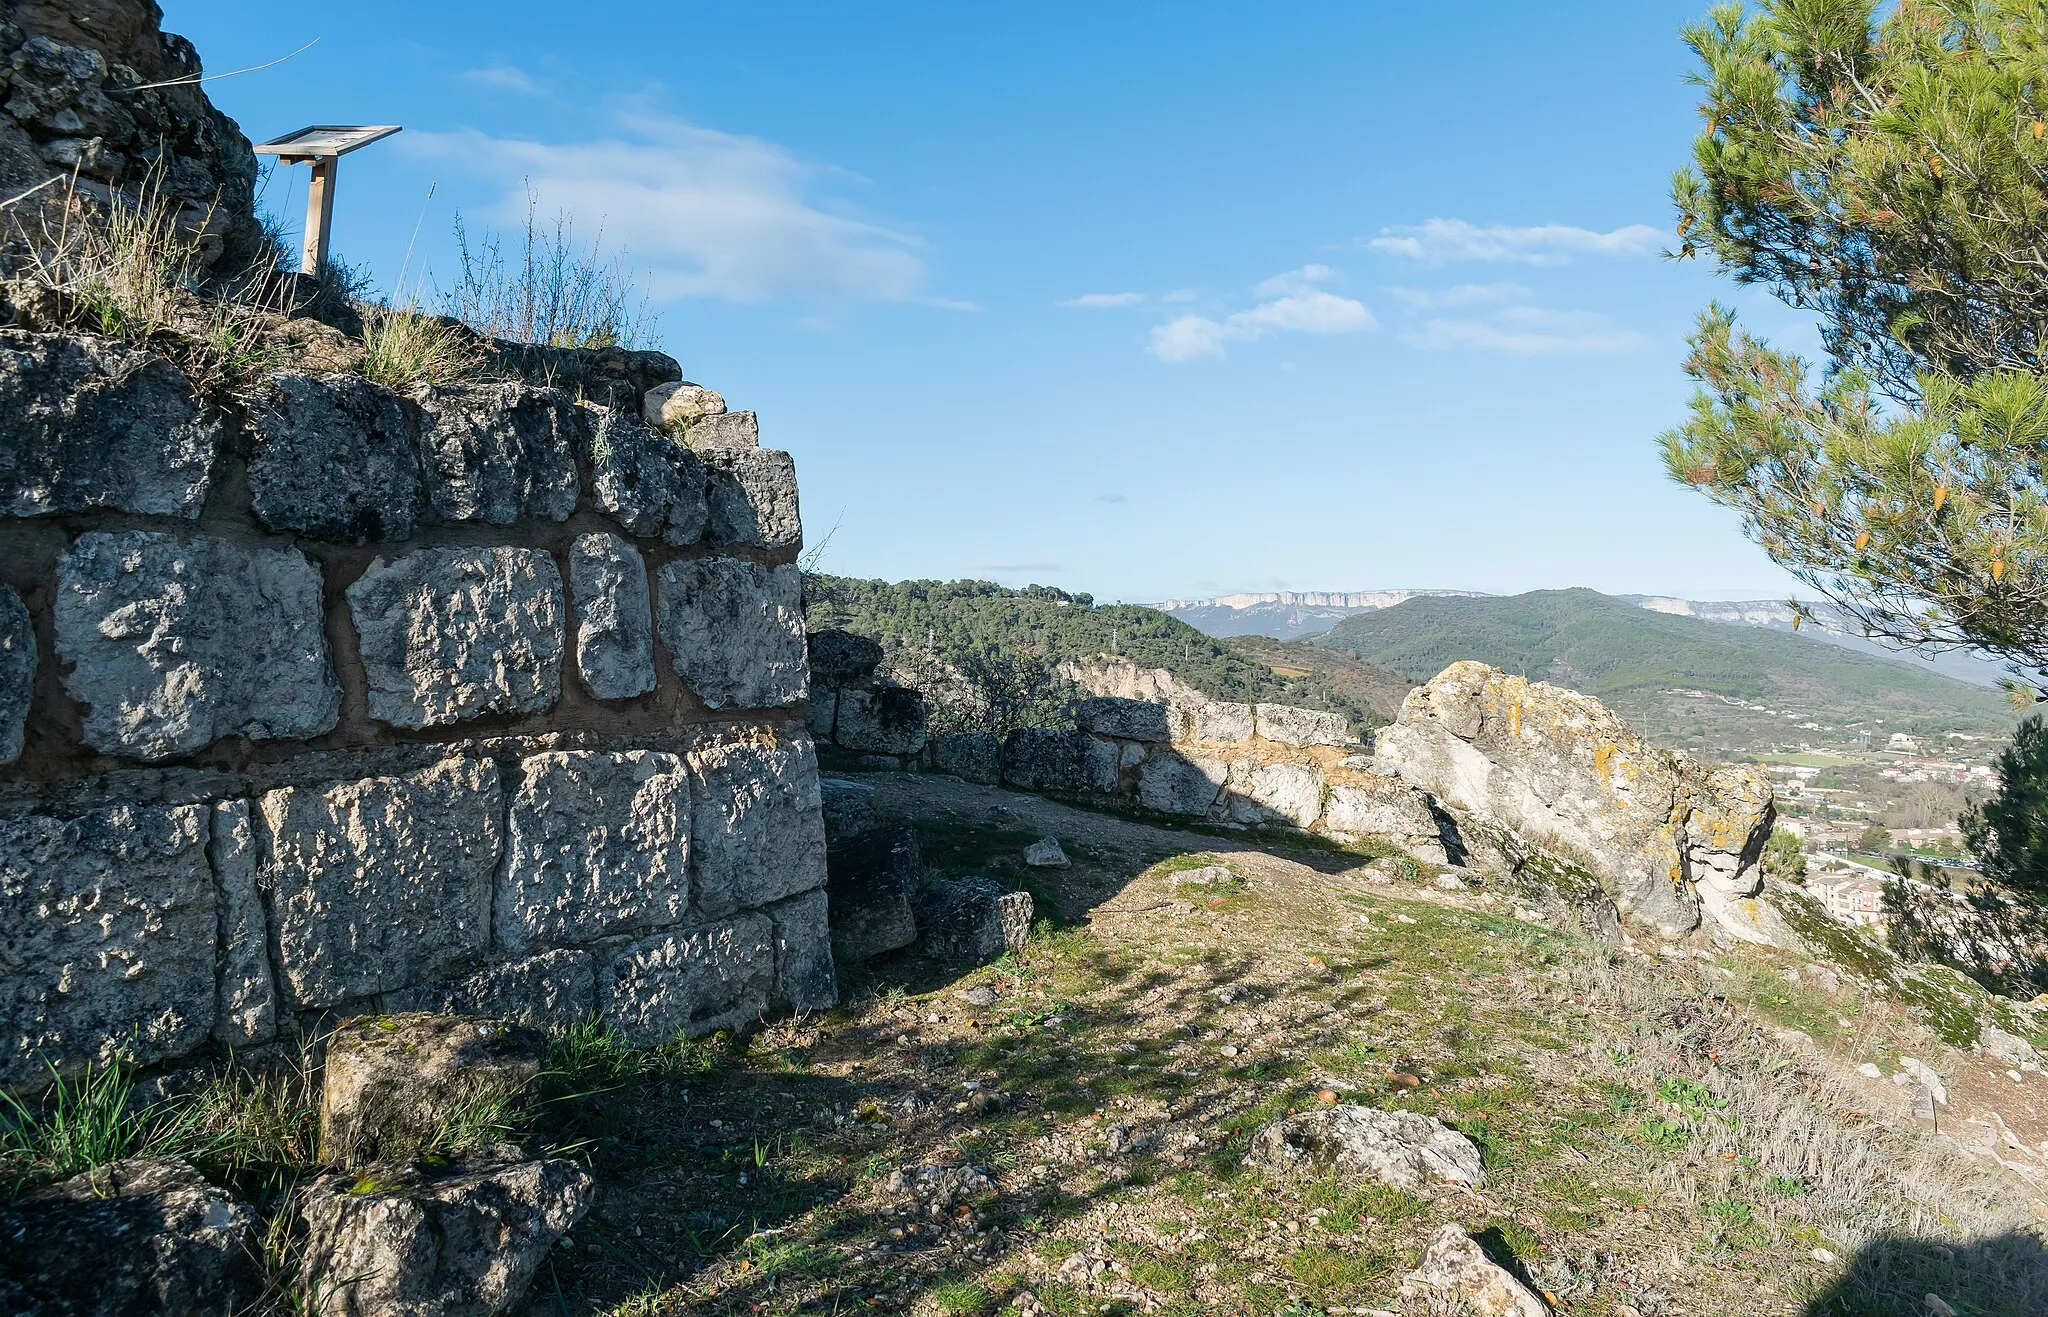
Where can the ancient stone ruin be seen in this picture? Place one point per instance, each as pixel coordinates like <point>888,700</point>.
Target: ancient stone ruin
<point>476,699</point>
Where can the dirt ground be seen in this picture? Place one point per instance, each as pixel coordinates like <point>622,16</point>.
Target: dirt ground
<point>1063,1131</point>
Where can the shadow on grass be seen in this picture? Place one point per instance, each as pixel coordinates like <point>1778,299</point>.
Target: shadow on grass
<point>1898,1276</point>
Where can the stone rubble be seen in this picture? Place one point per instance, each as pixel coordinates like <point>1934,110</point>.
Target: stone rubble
<point>1402,1148</point>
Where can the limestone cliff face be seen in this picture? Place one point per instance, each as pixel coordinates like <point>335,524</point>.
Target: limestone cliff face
<point>96,90</point>
<point>1667,836</point>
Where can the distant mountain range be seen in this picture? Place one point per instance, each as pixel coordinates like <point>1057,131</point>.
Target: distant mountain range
<point>1297,615</point>
<point>1679,678</point>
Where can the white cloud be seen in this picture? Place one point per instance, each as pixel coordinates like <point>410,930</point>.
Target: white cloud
<point>1182,295</point>
<point>1527,331</point>
<point>503,77</point>
<point>1459,295</point>
<point>1294,306</point>
<point>705,213</point>
<point>1105,299</point>
<point>1440,241</point>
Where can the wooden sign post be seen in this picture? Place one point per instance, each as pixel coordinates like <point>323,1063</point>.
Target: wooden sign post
<point>321,146</point>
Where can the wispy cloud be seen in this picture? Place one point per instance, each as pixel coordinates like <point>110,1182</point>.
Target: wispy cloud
<point>503,77</point>
<point>1459,295</point>
<point>1443,241</point>
<point>1110,498</point>
<point>1294,305</point>
<point>707,214</point>
<point>1182,295</point>
<point>1104,299</point>
<point>1527,331</point>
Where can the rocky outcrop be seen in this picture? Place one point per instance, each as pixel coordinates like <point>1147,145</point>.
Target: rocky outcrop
<point>1402,1148</point>
<point>1665,835</point>
<point>147,1235</point>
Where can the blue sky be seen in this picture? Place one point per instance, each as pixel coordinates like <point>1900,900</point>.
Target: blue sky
<point>1150,300</point>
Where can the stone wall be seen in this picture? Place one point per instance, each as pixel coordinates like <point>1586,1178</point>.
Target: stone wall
<point>868,720</point>
<point>328,700</point>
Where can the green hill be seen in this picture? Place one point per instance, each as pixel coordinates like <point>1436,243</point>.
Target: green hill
<point>1761,687</point>
<point>950,615</point>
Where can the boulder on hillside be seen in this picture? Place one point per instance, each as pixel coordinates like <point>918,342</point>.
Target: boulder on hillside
<point>144,1235</point>
<point>1455,1268</point>
<point>394,1083</point>
<point>1402,1148</point>
<point>1665,835</point>
<point>462,1243</point>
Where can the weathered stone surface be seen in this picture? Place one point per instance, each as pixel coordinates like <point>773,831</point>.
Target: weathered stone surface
<point>389,1083</point>
<point>555,987</point>
<point>177,641</point>
<point>757,824</point>
<point>245,1012</point>
<point>1455,1268</point>
<point>753,497</point>
<point>1296,727</point>
<point>93,424</point>
<point>1223,723</point>
<point>614,617</point>
<point>334,459</point>
<point>849,807</point>
<point>690,981</point>
<point>874,876</point>
<point>450,634</point>
<point>840,658</point>
<point>600,846</point>
<point>648,482</point>
<point>1132,720</point>
<point>888,720</point>
<point>17,672</point>
<point>107,926</point>
<point>498,452</point>
<point>381,883</point>
<point>821,710</point>
<point>1390,808</point>
<point>1176,783</point>
<point>673,406</point>
<point>735,631</point>
<point>975,756</point>
<point>1561,771</point>
<point>805,978</point>
<point>1049,759</point>
<point>1276,793</point>
<point>725,430</point>
<point>1402,1148</point>
<point>971,921</point>
<point>463,1243</point>
<point>146,1235</point>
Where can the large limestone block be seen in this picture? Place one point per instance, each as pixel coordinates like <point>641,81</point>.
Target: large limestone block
<point>176,641</point>
<point>821,711</point>
<point>1130,720</point>
<point>725,430</point>
<point>1276,793</point>
<point>143,1235</point>
<point>971,921</point>
<point>465,1240</point>
<point>1390,808</point>
<point>1221,723</point>
<point>333,460</point>
<point>758,824</point>
<point>245,1012</point>
<point>841,658</point>
<point>886,721</point>
<point>1297,727</point>
<point>383,882</point>
<point>92,424</point>
<point>600,846</point>
<point>805,979</point>
<point>650,484</point>
<point>614,617</point>
<point>17,672</point>
<point>975,756</point>
<point>690,981</point>
<point>498,452</point>
<point>450,634</point>
<point>555,987</point>
<point>107,929</point>
<point>389,1084</point>
<point>874,876</point>
<point>753,497</point>
<point>1176,783</point>
<point>1561,771</point>
<point>735,631</point>
<point>1051,759</point>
